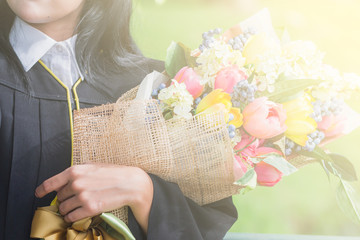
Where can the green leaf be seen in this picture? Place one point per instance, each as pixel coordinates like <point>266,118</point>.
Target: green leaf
<point>245,190</point>
<point>168,115</point>
<point>336,164</point>
<point>249,179</point>
<point>280,164</point>
<point>324,159</point>
<point>255,160</point>
<point>121,230</point>
<point>251,77</point>
<point>348,198</point>
<point>289,89</point>
<point>190,60</point>
<point>177,57</point>
<point>326,169</point>
<point>343,167</point>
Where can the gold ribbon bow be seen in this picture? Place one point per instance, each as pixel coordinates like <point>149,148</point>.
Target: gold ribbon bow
<point>50,225</point>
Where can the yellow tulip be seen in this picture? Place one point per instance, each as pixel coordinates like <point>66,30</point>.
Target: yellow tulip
<point>298,121</point>
<point>220,101</point>
<point>299,139</point>
<point>215,97</point>
<point>300,106</point>
<point>216,108</point>
<point>238,117</point>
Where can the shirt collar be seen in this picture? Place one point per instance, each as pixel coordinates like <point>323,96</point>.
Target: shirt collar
<point>31,45</point>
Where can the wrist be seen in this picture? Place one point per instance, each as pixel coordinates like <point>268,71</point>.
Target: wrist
<point>141,199</point>
<point>143,193</point>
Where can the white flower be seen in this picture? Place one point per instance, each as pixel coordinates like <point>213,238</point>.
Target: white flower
<point>304,58</point>
<point>324,91</point>
<point>296,60</point>
<point>351,81</point>
<point>235,140</point>
<point>176,99</point>
<point>330,74</point>
<point>268,69</point>
<point>182,110</point>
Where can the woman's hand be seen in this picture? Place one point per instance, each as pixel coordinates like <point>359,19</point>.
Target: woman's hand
<point>88,190</point>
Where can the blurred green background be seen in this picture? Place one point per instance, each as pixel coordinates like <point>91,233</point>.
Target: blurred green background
<point>303,203</point>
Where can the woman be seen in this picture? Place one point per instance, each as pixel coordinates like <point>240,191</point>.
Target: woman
<point>56,56</point>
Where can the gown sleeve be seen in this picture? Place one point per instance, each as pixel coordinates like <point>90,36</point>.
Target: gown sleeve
<point>174,216</point>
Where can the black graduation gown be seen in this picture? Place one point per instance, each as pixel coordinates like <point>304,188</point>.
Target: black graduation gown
<point>35,144</point>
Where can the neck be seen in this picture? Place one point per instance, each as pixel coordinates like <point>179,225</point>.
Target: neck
<point>56,32</point>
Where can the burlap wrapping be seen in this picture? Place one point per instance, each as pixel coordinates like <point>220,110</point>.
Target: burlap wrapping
<point>301,161</point>
<point>296,160</point>
<point>196,153</point>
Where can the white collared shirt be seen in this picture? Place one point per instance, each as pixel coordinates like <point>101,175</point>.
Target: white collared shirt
<point>32,45</point>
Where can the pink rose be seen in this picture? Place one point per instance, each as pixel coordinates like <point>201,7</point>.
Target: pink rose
<point>248,144</point>
<point>239,168</point>
<point>262,151</point>
<point>267,175</point>
<point>227,78</point>
<point>332,125</point>
<point>252,147</point>
<point>264,119</point>
<point>241,165</point>
<point>191,80</point>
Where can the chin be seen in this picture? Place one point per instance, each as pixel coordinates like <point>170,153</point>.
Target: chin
<point>31,13</point>
<point>35,19</point>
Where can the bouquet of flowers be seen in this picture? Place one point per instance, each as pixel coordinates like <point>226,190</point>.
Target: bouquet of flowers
<point>244,109</point>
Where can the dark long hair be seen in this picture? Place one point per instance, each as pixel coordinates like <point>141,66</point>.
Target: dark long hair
<point>109,48</point>
<point>6,20</point>
<point>104,45</point>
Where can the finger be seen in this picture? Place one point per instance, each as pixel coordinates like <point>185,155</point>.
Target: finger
<point>65,193</point>
<point>94,203</point>
<point>52,184</point>
<point>89,207</point>
<point>86,183</point>
<point>69,205</point>
<point>77,214</point>
<point>70,189</point>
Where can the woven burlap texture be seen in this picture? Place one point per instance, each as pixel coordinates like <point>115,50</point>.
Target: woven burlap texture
<point>296,160</point>
<point>195,153</point>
